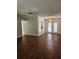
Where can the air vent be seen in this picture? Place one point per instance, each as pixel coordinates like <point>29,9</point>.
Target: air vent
<point>30,13</point>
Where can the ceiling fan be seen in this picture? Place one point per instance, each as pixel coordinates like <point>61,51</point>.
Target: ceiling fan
<point>27,13</point>
<point>30,12</point>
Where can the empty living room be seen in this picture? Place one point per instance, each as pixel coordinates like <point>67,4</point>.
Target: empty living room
<point>38,29</point>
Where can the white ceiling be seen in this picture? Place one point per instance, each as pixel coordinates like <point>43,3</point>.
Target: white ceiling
<point>43,7</point>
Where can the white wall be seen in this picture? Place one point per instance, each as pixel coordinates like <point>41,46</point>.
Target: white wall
<point>59,29</point>
<point>30,26</point>
<point>46,25</point>
<point>19,27</point>
<point>40,23</point>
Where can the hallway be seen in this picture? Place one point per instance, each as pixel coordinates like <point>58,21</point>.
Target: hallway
<point>46,46</point>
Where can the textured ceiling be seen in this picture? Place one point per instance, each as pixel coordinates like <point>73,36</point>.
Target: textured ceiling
<point>42,7</point>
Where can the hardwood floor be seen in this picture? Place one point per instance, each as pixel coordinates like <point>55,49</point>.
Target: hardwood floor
<point>47,46</point>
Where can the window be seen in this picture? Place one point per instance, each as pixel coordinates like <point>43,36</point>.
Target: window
<point>49,27</point>
<point>55,26</point>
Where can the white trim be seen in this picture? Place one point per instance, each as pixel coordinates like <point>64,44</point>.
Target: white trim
<point>31,34</point>
<point>19,36</point>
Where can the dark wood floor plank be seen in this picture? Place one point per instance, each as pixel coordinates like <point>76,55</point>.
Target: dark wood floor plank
<point>47,46</point>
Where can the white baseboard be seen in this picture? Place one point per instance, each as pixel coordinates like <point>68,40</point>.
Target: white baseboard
<point>32,34</point>
<point>19,36</point>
